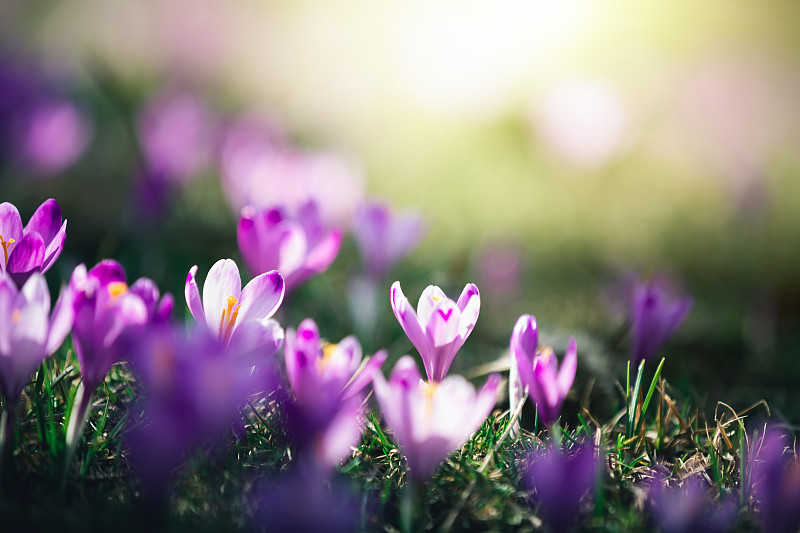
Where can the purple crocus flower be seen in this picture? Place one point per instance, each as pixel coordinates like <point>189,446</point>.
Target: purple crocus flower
<point>384,236</point>
<point>238,317</point>
<point>559,481</point>
<point>29,333</point>
<point>774,479</point>
<point>439,327</point>
<point>431,420</point>
<point>655,317</point>
<point>327,380</point>
<point>176,133</point>
<point>109,314</point>
<point>35,247</point>
<point>191,391</point>
<point>689,508</point>
<point>538,369</point>
<point>297,247</point>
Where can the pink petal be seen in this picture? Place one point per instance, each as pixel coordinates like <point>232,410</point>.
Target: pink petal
<point>261,297</point>
<point>192,294</point>
<point>46,221</point>
<point>569,366</point>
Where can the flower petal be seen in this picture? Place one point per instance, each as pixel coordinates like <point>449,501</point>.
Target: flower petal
<point>192,294</point>
<point>61,320</point>
<point>222,281</point>
<point>369,367</point>
<point>408,320</point>
<point>470,305</point>
<point>46,221</point>
<point>254,342</point>
<point>26,258</point>
<point>261,297</point>
<point>569,366</point>
<point>427,301</point>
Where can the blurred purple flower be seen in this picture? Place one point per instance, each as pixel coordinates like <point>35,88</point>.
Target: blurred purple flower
<point>239,318</point>
<point>431,420</point>
<point>191,391</point>
<point>35,247</point>
<point>439,327</point>
<point>774,479</point>
<point>305,502</point>
<point>655,317</point>
<point>260,168</point>
<point>384,236</point>
<point>176,133</point>
<point>538,369</point>
<point>327,380</point>
<point>559,482</point>
<point>53,135</point>
<point>499,267</point>
<point>29,334</point>
<point>297,247</point>
<point>109,314</point>
<point>689,508</point>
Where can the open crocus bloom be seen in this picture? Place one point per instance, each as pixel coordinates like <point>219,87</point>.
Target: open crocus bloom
<point>538,369</point>
<point>326,380</point>
<point>240,318</point>
<point>431,420</point>
<point>439,327</point>
<point>297,247</point>
<point>109,314</point>
<point>35,247</point>
<point>28,334</point>
<point>384,236</point>
<point>656,316</point>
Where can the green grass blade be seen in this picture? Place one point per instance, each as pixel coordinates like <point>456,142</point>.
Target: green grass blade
<point>633,399</point>
<point>649,395</point>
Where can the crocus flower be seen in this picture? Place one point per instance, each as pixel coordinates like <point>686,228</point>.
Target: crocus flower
<point>29,334</point>
<point>35,247</point>
<point>538,369</point>
<point>261,168</point>
<point>431,420</point>
<point>326,380</point>
<point>297,247</point>
<point>238,317</point>
<point>559,482</point>
<point>439,327</point>
<point>190,392</point>
<point>655,317</point>
<point>384,236</point>
<point>689,508</point>
<point>175,130</point>
<point>108,314</point>
<point>774,479</point>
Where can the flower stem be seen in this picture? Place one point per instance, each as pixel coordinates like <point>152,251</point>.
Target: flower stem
<point>77,420</point>
<point>6,436</point>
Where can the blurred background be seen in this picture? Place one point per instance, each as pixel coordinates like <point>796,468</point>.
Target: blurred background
<point>554,149</point>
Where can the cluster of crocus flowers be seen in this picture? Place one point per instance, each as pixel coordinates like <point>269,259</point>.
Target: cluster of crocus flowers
<point>439,327</point>
<point>33,248</point>
<point>430,420</point>
<point>239,317</point>
<point>655,317</point>
<point>538,369</point>
<point>327,380</point>
<point>296,246</point>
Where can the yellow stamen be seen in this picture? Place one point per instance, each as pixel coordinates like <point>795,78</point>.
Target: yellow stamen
<point>6,244</point>
<point>117,289</point>
<point>15,316</point>
<point>328,349</point>
<point>228,319</point>
<point>546,353</point>
<point>436,298</point>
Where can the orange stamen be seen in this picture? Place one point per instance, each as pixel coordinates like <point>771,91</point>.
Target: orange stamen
<point>228,319</point>
<point>6,244</point>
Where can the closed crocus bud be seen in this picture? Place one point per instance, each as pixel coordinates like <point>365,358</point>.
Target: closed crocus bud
<point>431,420</point>
<point>538,369</point>
<point>298,247</point>
<point>384,236</point>
<point>655,317</point>
<point>439,326</point>
<point>35,247</point>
